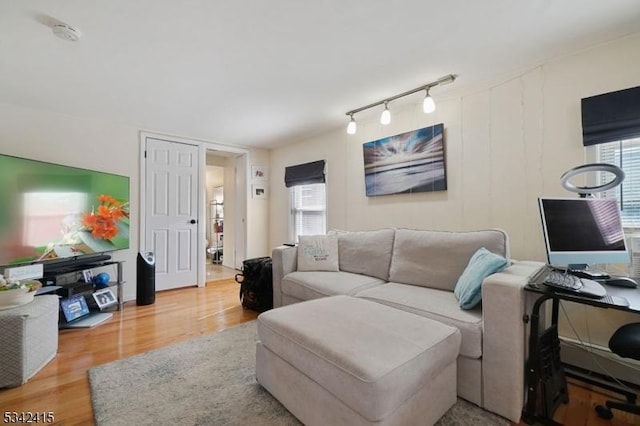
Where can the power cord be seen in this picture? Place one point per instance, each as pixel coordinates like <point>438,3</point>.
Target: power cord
<point>590,349</point>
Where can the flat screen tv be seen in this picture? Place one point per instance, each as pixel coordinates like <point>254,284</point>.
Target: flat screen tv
<point>583,231</point>
<point>51,212</point>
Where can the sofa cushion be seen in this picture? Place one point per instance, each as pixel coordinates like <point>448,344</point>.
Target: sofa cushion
<point>483,263</point>
<point>366,252</point>
<point>318,253</point>
<point>438,305</point>
<point>313,285</point>
<point>436,259</point>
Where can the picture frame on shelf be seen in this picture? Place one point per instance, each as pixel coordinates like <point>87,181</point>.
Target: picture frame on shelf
<point>87,276</point>
<point>104,298</point>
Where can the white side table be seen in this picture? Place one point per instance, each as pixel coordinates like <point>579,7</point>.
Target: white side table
<point>28,339</point>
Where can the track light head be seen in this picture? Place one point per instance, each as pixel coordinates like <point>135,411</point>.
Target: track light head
<point>385,118</point>
<point>352,126</point>
<point>428,105</point>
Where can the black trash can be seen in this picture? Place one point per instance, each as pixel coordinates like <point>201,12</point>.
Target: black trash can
<point>256,284</point>
<point>146,278</point>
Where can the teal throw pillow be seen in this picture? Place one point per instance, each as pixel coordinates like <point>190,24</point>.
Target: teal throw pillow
<point>483,263</point>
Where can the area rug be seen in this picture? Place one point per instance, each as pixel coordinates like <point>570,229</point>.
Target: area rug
<point>209,380</point>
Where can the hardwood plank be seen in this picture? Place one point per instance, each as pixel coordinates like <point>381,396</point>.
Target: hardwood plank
<point>62,386</point>
<point>178,315</point>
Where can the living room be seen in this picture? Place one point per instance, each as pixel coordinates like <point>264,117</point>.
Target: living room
<point>509,135</point>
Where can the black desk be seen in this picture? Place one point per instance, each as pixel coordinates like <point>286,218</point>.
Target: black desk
<point>545,373</point>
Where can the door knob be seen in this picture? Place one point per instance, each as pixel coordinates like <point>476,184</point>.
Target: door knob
<point>193,221</point>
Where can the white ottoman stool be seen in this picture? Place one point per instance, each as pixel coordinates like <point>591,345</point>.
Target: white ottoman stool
<point>346,361</point>
<point>28,339</point>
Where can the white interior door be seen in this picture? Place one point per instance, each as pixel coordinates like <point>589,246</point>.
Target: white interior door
<point>172,211</point>
<point>240,235</point>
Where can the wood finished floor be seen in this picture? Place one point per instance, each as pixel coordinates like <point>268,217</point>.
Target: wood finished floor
<point>178,315</point>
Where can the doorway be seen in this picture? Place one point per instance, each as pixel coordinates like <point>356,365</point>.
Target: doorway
<point>234,192</point>
<point>220,200</point>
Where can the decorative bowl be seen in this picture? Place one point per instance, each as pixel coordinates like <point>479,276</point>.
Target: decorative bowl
<point>17,297</point>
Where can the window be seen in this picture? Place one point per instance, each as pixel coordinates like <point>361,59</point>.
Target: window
<point>308,210</point>
<point>626,155</point>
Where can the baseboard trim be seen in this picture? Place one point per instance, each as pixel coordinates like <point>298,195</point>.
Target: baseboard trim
<point>599,360</point>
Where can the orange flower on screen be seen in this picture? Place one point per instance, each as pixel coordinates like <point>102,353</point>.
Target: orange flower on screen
<point>102,222</point>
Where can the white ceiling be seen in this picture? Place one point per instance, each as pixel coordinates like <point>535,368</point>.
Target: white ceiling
<point>263,73</point>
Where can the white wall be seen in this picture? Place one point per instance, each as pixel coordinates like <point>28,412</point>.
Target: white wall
<point>105,146</point>
<point>71,141</point>
<point>258,211</point>
<point>507,143</point>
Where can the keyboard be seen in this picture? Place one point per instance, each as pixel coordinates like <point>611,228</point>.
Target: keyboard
<point>568,283</point>
<point>563,281</point>
<point>583,289</point>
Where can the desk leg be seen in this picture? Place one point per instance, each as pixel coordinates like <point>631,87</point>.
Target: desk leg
<point>529,414</point>
<point>544,369</point>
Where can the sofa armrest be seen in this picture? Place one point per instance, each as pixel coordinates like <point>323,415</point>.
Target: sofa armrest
<point>504,305</point>
<point>285,261</point>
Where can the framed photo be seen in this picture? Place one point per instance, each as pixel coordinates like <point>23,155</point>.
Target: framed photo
<point>87,276</point>
<point>258,173</point>
<point>259,191</point>
<point>104,298</point>
<point>406,163</point>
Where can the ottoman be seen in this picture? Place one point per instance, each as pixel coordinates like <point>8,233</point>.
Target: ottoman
<point>346,361</point>
<point>28,339</point>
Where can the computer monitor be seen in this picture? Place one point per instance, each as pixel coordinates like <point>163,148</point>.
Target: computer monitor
<point>582,231</point>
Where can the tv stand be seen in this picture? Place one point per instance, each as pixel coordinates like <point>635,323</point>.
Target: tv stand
<point>64,266</point>
<point>90,263</point>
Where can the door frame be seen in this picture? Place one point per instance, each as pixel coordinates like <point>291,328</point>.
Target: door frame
<point>203,146</point>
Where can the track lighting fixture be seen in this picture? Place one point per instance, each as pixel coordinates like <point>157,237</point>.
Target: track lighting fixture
<point>428,105</point>
<point>385,117</point>
<point>351,128</point>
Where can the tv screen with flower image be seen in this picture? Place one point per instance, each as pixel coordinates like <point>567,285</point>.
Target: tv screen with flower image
<point>50,211</point>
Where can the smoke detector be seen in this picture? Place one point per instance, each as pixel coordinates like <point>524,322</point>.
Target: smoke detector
<point>66,32</point>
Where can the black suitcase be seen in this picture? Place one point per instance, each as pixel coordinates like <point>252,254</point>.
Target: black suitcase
<point>256,284</point>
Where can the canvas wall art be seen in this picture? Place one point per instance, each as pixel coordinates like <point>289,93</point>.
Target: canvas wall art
<point>406,163</point>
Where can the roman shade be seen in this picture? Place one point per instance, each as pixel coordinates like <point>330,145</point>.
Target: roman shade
<point>611,116</point>
<point>304,174</point>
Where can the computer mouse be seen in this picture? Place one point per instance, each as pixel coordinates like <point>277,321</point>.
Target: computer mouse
<point>621,282</point>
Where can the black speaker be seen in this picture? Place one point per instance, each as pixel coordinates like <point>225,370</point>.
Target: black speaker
<point>146,284</point>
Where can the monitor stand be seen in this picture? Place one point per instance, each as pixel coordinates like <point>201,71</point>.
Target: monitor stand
<point>89,321</point>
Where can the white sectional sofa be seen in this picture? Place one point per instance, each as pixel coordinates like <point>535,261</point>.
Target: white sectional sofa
<point>417,271</point>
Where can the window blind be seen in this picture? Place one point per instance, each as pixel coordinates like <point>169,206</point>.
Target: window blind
<point>305,174</point>
<point>626,155</point>
<point>611,117</point>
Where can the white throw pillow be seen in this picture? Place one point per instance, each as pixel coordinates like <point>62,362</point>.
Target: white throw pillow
<point>318,253</point>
